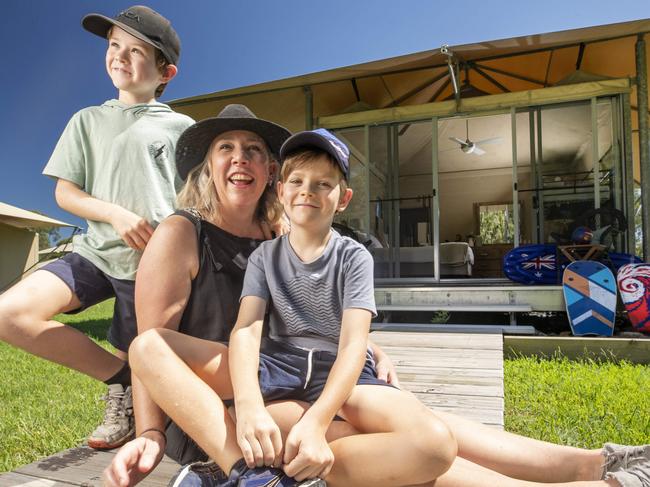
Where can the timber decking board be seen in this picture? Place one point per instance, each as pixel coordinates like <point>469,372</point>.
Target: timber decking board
<point>453,372</point>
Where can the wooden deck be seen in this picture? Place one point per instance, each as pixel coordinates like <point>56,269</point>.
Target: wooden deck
<point>456,372</point>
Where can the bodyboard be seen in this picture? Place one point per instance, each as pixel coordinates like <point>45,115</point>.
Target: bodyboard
<point>634,285</point>
<point>590,297</point>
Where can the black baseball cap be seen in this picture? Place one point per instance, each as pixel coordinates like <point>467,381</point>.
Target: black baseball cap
<point>321,139</point>
<point>141,22</point>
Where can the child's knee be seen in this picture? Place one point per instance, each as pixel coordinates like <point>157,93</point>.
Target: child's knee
<point>438,443</point>
<point>12,319</point>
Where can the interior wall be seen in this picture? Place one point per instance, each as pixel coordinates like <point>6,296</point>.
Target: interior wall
<point>460,190</point>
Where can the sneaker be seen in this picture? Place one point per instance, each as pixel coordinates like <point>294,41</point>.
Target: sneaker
<point>208,474</point>
<point>118,426</point>
<point>629,465</point>
<point>312,483</point>
<point>199,474</point>
<point>270,477</point>
<point>628,479</point>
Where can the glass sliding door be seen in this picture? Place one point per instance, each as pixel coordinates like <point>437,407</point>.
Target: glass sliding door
<point>575,167</point>
<point>415,180</point>
<point>476,194</point>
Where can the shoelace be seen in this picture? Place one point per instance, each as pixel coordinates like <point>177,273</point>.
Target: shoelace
<point>624,457</point>
<point>113,407</point>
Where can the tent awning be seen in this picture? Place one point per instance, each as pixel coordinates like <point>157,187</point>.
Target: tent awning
<point>434,60</point>
<point>19,218</point>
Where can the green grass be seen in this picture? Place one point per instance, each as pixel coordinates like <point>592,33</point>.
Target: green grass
<point>45,408</point>
<point>583,403</point>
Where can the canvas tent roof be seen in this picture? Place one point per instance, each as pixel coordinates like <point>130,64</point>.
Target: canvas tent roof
<point>17,217</point>
<point>491,67</point>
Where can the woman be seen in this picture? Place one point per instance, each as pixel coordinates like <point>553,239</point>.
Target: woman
<point>178,288</point>
<point>191,274</point>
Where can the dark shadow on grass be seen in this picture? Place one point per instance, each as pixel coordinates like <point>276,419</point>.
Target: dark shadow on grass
<point>97,329</point>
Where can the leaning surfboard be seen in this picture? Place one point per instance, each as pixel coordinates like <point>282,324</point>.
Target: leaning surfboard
<point>634,285</point>
<point>590,296</point>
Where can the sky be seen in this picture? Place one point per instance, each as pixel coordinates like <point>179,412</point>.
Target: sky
<point>52,67</point>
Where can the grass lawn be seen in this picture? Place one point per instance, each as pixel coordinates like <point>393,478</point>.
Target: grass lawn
<point>45,408</point>
<point>582,403</point>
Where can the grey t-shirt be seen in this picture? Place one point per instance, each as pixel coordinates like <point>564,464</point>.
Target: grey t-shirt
<point>308,299</point>
<point>122,154</point>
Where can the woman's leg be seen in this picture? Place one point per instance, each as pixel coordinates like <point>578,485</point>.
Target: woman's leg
<point>520,457</point>
<point>464,473</point>
<point>188,378</point>
<point>26,310</point>
<point>405,443</point>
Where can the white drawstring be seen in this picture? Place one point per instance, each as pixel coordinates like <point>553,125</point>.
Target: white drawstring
<point>309,367</point>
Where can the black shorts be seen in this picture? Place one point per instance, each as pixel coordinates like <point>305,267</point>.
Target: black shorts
<point>288,372</point>
<point>92,286</point>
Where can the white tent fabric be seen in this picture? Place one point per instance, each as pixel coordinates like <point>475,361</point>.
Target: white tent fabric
<point>19,218</point>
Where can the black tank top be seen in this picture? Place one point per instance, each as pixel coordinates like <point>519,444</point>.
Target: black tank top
<point>212,307</point>
<point>213,304</point>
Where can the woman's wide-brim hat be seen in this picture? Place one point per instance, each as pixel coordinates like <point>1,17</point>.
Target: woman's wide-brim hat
<point>193,144</point>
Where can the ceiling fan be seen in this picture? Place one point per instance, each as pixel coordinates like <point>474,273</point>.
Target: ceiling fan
<point>470,147</point>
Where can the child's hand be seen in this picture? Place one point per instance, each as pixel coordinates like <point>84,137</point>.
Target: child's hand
<point>386,370</point>
<point>259,438</point>
<point>307,454</point>
<point>133,229</point>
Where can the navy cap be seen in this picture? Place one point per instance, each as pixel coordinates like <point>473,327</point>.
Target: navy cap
<point>321,139</point>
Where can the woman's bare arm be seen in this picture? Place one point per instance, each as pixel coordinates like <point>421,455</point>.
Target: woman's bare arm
<point>162,289</point>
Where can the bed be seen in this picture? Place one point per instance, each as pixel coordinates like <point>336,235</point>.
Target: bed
<point>456,260</point>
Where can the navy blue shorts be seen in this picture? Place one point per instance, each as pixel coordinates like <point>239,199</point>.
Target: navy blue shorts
<point>93,286</point>
<point>288,372</point>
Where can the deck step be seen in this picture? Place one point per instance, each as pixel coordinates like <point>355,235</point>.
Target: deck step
<point>509,329</point>
<point>492,308</point>
<point>455,372</point>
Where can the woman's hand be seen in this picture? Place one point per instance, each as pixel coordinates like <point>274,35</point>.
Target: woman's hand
<point>133,462</point>
<point>259,438</point>
<point>307,454</point>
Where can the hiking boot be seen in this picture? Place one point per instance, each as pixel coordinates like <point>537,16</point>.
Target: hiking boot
<point>118,426</point>
<point>629,465</point>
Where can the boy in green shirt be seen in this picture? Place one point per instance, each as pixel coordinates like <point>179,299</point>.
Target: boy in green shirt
<point>114,166</point>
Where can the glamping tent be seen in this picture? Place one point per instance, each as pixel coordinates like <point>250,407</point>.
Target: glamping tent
<point>494,144</point>
<point>19,241</point>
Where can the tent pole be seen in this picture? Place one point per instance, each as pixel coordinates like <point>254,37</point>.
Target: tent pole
<point>644,140</point>
<point>309,108</point>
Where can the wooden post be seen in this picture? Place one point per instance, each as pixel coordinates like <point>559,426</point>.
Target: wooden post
<point>644,140</point>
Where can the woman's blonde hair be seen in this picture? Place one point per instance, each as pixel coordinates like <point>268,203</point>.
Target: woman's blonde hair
<point>199,193</point>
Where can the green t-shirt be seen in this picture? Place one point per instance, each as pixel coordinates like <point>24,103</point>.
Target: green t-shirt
<point>123,154</point>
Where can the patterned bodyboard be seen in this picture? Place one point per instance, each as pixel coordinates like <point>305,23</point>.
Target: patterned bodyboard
<point>590,296</point>
<point>634,285</point>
